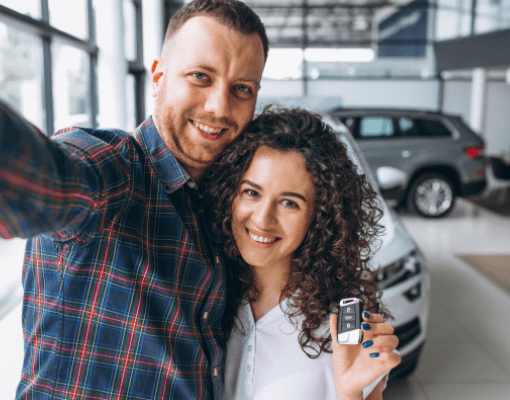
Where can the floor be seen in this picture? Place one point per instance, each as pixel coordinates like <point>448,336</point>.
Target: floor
<point>467,355</point>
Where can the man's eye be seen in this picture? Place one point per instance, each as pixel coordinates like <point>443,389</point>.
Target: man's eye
<point>243,88</point>
<point>200,76</point>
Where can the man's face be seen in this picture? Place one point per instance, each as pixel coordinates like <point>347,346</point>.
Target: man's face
<point>205,85</point>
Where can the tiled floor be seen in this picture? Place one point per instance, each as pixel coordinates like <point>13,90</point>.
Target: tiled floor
<point>467,355</point>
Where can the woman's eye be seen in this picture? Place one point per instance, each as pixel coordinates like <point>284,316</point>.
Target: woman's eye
<point>290,203</point>
<point>251,193</point>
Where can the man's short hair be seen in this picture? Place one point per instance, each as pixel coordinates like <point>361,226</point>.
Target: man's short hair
<point>232,13</point>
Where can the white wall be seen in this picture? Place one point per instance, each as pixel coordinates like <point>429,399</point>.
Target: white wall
<point>457,97</point>
<point>423,94</point>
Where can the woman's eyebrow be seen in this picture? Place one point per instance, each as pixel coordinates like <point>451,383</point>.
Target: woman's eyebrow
<point>292,194</point>
<point>258,187</point>
<point>289,194</point>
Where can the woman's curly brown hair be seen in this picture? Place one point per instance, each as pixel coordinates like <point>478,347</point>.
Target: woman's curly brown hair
<point>331,262</point>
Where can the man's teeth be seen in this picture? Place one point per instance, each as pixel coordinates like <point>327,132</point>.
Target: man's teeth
<point>207,129</point>
<point>261,239</point>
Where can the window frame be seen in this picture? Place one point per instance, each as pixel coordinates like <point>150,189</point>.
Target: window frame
<point>47,33</point>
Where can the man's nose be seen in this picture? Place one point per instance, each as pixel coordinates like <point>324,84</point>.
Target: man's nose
<point>218,101</point>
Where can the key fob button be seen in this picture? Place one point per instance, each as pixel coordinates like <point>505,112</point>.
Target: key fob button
<point>347,326</point>
<point>349,310</point>
<point>348,317</point>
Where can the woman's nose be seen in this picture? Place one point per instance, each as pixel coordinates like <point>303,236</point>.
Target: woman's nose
<point>264,215</point>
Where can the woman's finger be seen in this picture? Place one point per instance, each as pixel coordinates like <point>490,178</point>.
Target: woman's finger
<point>333,321</point>
<point>368,317</point>
<point>376,328</point>
<point>383,343</point>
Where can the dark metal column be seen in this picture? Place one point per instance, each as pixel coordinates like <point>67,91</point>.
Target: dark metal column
<point>47,73</point>
<point>304,45</point>
<point>171,7</point>
<point>93,81</point>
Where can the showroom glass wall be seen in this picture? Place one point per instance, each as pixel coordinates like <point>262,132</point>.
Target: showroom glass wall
<point>49,56</point>
<point>397,43</point>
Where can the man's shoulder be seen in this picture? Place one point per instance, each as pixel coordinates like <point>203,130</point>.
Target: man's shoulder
<point>91,138</point>
<point>102,134</point>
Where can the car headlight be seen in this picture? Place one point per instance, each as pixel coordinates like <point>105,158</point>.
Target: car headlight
<point>399,271</point>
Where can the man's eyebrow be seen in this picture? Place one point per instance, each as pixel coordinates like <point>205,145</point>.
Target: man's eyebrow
<point>243,78</point>
<point>288,194</point>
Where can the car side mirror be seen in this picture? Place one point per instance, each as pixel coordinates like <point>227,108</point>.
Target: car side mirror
<point>390,178</point>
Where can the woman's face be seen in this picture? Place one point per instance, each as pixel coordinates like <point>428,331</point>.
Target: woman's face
<point>273,208</point>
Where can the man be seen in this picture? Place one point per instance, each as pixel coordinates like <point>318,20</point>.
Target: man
<point>123,293</point>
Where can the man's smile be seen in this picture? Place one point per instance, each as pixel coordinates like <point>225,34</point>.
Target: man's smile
<point>209,132</point>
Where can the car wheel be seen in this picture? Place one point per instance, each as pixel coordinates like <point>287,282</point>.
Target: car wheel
<point>431,195</point>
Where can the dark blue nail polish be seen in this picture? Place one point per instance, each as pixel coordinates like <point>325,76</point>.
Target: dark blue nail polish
<point>374,355</point>
<point>366,315</point>
<point>366,327</point>
<point>368,344</point>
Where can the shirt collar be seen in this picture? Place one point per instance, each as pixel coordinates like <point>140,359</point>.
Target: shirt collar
<point>170,172</point>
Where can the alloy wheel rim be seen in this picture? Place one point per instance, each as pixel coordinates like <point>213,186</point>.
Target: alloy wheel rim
<point>433,197</point>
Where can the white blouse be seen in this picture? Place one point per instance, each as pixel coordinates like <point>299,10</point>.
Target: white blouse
<point>268,363</point>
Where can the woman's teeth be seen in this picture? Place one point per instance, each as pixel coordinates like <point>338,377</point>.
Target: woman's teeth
<point>261,239</point>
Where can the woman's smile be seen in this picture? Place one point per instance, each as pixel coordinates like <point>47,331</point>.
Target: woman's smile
<point>263,240</point>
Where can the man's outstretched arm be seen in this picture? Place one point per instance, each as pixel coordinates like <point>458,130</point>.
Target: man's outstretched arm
<point>46,186</point>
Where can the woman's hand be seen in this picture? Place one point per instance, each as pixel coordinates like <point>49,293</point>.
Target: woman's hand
<point>357,366</point>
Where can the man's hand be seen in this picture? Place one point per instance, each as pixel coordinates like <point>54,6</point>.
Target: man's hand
<point>357,366</point>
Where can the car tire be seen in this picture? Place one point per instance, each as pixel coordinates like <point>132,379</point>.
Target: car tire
<point>432,195</point>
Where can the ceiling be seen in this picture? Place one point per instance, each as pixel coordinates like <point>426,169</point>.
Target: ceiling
<point>325,23</point>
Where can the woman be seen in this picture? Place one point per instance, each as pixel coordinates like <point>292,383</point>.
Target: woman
<point>297,223</point>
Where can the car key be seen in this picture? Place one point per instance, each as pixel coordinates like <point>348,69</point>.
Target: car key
<point>349,321</point>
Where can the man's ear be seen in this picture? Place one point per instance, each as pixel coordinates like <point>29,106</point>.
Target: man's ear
<point>157,74</point>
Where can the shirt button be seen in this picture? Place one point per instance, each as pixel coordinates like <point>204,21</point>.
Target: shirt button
<point>248,368</point>
<point>205,315</point>
<point>192,185</point>
<point>249,348</point>
<point>215,371</point>
<point>251,329</point>
<point>217,259</point>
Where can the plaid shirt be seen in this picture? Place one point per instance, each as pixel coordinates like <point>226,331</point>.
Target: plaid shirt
<point>123,293</point>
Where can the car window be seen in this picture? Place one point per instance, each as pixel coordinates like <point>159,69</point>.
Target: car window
<point>376,127</point>
<point>408,128</point>
<point>433,128</point>
<point>348,122</point>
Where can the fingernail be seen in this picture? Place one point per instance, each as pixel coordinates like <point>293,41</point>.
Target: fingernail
<point>365,327</point>
<point>368,344</point>
<point>374,355</point>
<point>366,315</point>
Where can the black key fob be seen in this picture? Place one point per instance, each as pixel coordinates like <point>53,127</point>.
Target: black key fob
<point>349,321</point>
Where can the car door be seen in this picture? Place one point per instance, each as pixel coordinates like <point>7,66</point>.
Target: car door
<point>388,141</point>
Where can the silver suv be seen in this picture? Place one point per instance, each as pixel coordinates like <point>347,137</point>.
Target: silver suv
<point>421,159</point>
